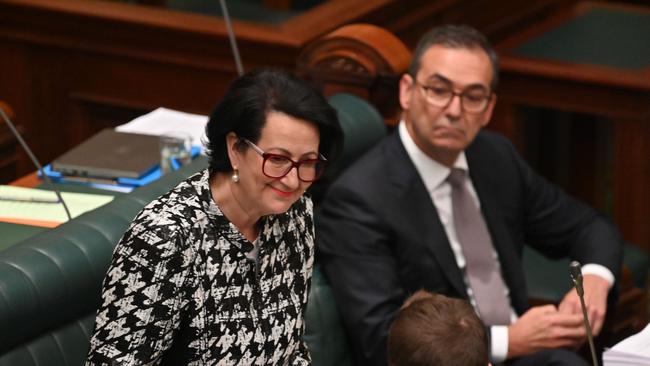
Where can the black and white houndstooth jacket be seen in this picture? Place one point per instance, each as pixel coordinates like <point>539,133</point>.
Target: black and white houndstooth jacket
<point>181,291</point>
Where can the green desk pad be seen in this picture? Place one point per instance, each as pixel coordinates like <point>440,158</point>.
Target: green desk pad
<point>11,234</point>
<point>608,37</point>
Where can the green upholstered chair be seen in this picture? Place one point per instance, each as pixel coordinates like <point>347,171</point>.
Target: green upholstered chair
<point>362,127</point>
<point>50,283</point>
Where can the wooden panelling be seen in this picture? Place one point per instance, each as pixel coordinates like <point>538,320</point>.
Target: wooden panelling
<point>70,67</point>
<point>619,94</point>
<point>8,145</point>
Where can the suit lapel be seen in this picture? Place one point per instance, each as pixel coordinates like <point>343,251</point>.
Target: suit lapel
<point>421,211</point>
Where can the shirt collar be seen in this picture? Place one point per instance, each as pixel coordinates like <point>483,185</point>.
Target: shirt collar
<point>433,173</point>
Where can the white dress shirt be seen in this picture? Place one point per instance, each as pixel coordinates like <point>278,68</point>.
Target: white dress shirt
<point>434,176</point>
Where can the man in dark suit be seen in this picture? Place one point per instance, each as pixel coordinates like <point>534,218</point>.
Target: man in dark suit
<point>443,206</point>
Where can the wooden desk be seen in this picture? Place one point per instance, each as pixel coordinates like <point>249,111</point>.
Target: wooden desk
<point>29,181</point>
<point>594,59</point>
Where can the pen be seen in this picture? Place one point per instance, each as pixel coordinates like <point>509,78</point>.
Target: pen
<point>29,199</point>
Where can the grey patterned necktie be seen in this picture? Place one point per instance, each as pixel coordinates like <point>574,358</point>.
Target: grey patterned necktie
<point>481,267</point>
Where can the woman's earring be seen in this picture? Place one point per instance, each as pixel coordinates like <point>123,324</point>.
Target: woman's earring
<point>235,176</point>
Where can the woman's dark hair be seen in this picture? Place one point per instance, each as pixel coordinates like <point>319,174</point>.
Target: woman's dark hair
<point>248,101</point>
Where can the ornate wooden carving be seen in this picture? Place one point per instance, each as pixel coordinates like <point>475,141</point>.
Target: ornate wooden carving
<point>361,59</point>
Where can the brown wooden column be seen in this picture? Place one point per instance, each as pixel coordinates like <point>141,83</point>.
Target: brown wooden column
<point>632,180</point>
<point>8,147</point>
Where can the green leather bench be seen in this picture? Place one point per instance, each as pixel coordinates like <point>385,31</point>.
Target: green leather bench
<point>50,283</point>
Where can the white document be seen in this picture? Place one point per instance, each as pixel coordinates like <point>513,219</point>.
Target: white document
<point>632,351</point>
<point>163,120</point>
<point>39,207</point>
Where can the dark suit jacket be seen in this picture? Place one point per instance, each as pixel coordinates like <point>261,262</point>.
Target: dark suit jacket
<point>379,237</point>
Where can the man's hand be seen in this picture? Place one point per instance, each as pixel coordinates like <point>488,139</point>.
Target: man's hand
<point>544,327</point>
<point>596,290</point>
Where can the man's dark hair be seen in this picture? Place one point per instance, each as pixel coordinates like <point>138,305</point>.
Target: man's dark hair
<point>247,103</point>
<point>455,36</point>
<point>433,329</point>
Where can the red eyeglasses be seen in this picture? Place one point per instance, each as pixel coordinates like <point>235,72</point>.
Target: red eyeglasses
<point>277,165</point>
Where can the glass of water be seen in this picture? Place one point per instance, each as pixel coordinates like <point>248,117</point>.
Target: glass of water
<point>175,150</point>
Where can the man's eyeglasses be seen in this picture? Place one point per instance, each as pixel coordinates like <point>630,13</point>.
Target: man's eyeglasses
<point>277,166</point>
<point>472,101</point>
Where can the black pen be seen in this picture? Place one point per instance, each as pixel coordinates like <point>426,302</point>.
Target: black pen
<point>28,199</point>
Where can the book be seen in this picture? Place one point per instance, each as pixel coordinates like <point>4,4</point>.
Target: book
<point>39,207</point>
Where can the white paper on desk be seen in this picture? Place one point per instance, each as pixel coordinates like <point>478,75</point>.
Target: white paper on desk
<point>163,120</point>
<point>632,351</point>
<point>45,214</point>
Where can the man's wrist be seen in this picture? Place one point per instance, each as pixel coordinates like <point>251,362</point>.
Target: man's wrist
<point>498,343</point>
<point>600,271</point>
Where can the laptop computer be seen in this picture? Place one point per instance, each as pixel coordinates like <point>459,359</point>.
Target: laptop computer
<point>110,155</point>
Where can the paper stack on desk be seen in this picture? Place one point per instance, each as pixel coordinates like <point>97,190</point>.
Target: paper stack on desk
<point>39,207</point>
<point>632,351</point>
<point>163,120</point>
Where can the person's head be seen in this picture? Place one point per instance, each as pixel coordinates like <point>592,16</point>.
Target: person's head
<point>448,93</point>
<point>433,329</point>
<point>274,135</point>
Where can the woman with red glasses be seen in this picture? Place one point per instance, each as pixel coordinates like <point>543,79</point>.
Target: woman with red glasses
<point>217,271</point>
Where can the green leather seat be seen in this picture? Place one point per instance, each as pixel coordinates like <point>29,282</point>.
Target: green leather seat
<point>50,284</point>
<point>362,127</point>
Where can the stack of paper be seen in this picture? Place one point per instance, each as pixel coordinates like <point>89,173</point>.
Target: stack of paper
<point>39,207</point>
<point>632,351</point>
<point>163,120</point>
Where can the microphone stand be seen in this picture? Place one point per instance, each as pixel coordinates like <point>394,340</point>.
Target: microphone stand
<point>22,142</point>
<point>576,275</point>
<point>231,38</point>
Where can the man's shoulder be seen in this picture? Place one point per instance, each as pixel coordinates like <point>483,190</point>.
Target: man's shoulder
<point>373,164</point>
<point>487,138</point>
<point>492,145</point>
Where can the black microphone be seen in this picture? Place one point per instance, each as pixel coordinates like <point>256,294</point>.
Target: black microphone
<point>576,275</point>
<point>14,131</point>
